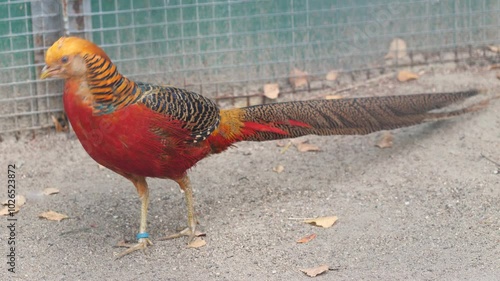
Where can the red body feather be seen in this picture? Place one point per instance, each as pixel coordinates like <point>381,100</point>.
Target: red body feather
<point>133,140</point>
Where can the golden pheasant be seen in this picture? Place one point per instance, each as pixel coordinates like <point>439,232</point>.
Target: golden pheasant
<point>141,130</point>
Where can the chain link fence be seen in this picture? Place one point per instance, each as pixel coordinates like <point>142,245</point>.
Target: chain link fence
<point>229,49</point>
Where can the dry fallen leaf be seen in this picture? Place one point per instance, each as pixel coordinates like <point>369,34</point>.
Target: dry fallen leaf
<point>197,243</point>
<point>405,75</point>
<point>498,75</point>
<point>271,90</point>
<point>57,124</point>
<point>494,66</point>
<point>324,222</point>
<point>493,48</point>
<point>306,239</point>
<point>397,49</point>
<point>385,141</point>
<point>333,97</point>
<point>332,75</point>
<point>298,78</point>
<point>5,211</point>
<point>278,169</point>
<point>314,271</point>
<point>52,216</point>
<point>198,233</point>
<point>50,191</point>
<point>20,200</point>
<point>305,147</point>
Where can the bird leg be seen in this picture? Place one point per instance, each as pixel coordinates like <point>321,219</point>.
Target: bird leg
<point>143,237</point>
<point>190,230</point>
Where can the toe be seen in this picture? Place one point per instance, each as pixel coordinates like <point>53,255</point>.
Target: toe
<point>141,245</point>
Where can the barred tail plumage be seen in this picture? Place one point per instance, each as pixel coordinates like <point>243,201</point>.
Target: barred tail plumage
<point>355,116</point>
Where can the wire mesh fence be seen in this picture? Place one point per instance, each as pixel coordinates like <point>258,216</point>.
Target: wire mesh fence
<point>228,49</point>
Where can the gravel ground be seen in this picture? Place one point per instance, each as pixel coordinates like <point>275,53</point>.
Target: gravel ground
<point>425,209</point>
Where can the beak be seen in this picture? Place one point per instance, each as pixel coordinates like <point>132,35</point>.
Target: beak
<point>47,72</point>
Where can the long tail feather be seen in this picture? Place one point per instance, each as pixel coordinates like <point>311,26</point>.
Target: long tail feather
<point>356,116</point>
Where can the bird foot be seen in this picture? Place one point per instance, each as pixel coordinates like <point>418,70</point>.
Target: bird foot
<point>141,245</point>
<point>191,233</point>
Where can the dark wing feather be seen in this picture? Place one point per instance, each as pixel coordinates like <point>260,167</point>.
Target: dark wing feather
<point>199,115</point>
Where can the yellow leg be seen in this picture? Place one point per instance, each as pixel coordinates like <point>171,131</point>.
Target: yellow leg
<point>190,230</point>
<point>143,237</point>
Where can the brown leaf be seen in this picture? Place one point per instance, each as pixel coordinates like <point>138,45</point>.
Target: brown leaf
<point>271,90</point>
<point>305,147</point>
<point>278,169</point>
<point>385,141</point>
<point>333,97</point>
<point>498,75</point>
<point>493,48</point>
<point>494,66</point>
<point>52,216</point>
<point>306,239</point>
<point>314,271</point>
<point>59,127</point>
<point>50,191</point>
<point>397,49</point>
<point>404,76</point>
<point>332,75</point>
<point>60,124</point>
<point>198,233</point>
<point>298,78</point>
<point>324,222</point>
<point>19,201</point>
<point>5,211</point>
<point>197,243</point>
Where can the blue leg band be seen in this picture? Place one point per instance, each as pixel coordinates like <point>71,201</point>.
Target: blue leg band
<point>142,235</point>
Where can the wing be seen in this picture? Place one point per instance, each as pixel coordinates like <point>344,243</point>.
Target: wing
<point>198,114</point>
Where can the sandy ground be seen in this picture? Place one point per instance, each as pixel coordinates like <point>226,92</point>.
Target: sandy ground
<point>426,209</point>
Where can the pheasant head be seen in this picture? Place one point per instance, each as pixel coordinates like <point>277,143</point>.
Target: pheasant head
<point>66,58</point>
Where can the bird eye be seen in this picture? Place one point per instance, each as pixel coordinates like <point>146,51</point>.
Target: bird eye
<point>64,59</point>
